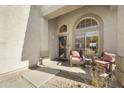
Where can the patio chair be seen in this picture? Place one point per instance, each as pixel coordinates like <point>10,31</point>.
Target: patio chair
<point>105,60</point>
<point>75,58</point>
<point>103,68</point>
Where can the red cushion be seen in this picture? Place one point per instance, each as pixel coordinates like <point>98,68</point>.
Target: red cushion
<point>106,58</point>
<point>75,54</point>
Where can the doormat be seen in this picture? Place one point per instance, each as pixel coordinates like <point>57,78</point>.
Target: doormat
<point>40,75</point>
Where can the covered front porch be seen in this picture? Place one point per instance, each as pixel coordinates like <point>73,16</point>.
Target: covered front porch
<point>52,35</point>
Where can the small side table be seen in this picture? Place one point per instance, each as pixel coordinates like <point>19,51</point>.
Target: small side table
<point>88,61</point>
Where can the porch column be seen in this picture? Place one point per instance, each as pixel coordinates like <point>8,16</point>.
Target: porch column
<point>31,46</point>
<point>44,37</point>
<point>120,46</point>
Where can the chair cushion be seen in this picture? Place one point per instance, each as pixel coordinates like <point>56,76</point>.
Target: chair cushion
<point>106,58</point>
<point>76,59</point>
<point>112,56</point>
<point>75,54</point>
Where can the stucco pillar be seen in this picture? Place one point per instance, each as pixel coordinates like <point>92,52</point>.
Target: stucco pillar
<point>120,46</point>
<point>44,37</point>
<point>32,41</point>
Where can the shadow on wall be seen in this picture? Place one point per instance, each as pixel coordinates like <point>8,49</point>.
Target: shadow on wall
<point>32,41</point>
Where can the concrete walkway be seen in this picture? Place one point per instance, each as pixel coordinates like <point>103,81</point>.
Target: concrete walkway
<point>40,75</point>
<point>15,80</point>
<point>65,66</point>
<point>61,80</point>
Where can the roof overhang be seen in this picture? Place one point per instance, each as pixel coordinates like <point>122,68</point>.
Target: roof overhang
<point>53,11</point>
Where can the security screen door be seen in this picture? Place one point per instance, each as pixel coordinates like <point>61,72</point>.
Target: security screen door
<point>62,47</point>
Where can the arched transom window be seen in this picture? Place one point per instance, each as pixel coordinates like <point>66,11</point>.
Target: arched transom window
<point>87,22</point>
<point>63,28</point>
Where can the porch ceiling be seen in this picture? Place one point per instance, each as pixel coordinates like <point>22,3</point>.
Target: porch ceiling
<point>53,11</point>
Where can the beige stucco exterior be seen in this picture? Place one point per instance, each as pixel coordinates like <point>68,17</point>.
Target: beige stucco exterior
<point>109,27</point>
<point>32,39</point>
<point>112,31</point>
<point>52,11</point>
<point>120,46</point>
<point>120,32</point>
<point>30,32</point>
<point>13,25</point>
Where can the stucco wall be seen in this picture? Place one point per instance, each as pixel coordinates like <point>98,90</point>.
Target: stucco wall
<point>107,14</point>
<point>32,40</point>
<point>53,38</point>
<point>120,46</point>
<point>44,37</point>
<point>120,33</point>
<point>47,9</point>
<point>13,23</point>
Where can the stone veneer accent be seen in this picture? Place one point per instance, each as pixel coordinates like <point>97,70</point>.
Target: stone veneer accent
<point>119,71</point>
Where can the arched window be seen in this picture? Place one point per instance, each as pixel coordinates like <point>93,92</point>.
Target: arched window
<point>87,40</point>
<point>87,22</point>
<point>63,28</point>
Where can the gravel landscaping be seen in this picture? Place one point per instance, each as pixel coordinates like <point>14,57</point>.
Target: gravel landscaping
<point>67,80</point>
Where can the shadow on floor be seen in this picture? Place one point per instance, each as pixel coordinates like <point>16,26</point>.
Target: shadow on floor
<point>67,74</point>
<point>75,76</point>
